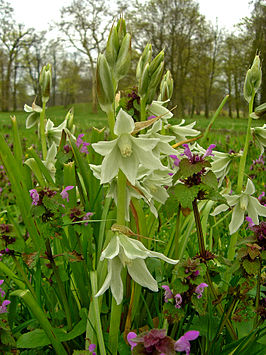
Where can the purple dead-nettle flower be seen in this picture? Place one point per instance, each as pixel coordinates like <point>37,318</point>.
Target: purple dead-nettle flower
<point>64,193</point>
<point>87,216</point>
<point>2,292</point>
<point>187,152</point>
<point>183,343</point>
<point>261,198</point>
<point>200,288</point>
<point>3,308</point>
<point>175,159</point>
<point>178,300</point>
<point>81,144</point>
<point>130,337</point>
<point>35,197</point>
<point>151,117</point>
<point>168,293</point>
<point>209,151</point>
<point>250,222</point>
<point>92,347</point>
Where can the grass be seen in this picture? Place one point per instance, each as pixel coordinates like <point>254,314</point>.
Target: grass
<point>226,133</point>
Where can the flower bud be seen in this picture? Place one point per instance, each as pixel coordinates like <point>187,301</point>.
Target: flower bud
<point>144,80</point>
<point>154,82</point>
<point>45,81</point>
<point>156,62</point>
<point>104,84</point>
<point>166,87</point>
<point>124,58</point>
<point>70,119</point>
<point>121,30</point>
<point>143,60</point>
<point>253,79</point>
<point>112,47</point>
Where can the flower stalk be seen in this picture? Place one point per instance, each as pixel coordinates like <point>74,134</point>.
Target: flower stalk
<point>42,131</point>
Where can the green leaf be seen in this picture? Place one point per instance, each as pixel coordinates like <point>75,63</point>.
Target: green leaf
<point>210,179</point>
<point>186,168</point>
<point>186,195</point>
<point>251,267</point>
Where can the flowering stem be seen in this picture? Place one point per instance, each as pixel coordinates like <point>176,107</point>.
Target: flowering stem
<point>177,232</point>
<point>199,229</point>
<point>27,282</point>
<point>60,285</point>
<point>116,310</point>
<point>42,132</point>
<point>142,109</point>
<point>242,164</point>
<point>111,122</point>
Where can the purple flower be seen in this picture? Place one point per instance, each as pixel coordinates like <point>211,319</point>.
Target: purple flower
<point>35,197</point>
<point>150,117</point>
<point>92,347</point>
<point>187,152</point>
<point>183,343</point>
<point>178,300</point>
<point>2,292</point>
<point>200,288</point>
<point>82,145</point>
<point>87,216</point>
<point>250,222</point>
<point>168,293</point>
<point>64,193</point>
<point>209,151</point>
<point>175,159</point>
<point>3,308</point>
<point>130,336</point>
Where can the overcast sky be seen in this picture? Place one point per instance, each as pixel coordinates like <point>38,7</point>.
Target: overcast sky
<point>39,13</point>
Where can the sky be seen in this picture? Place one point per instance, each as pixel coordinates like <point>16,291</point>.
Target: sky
<point>39,13</point>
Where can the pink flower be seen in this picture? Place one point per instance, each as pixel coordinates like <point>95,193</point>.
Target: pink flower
<point>168,293</point>
<point>92,347</point>
<point>183,343</point>
<point>250,222</point>
<point>130,336</point>
<point>209,150</point>
<point>178,300</point>
<point>3,308</point>
<point>35,197</point>
<point>82,145</point>
<point>64,193</point>
<point>200,288</point>
<point>175,159</point>
<point>187,152</point>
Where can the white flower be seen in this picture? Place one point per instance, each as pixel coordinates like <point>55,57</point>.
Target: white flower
<point>162,147</point>
<point>50,160</point>
<point>156,108</point>
<point>126,152</point>
<point>52,133</point>
<point>259,134</point>
<point>242,203</point>
<point>123,251</point>
<point>181,132</point>
<point>34,115</point>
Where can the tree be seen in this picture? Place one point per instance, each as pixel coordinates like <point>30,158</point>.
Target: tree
<point>84,24</point>
<point>12,39</point>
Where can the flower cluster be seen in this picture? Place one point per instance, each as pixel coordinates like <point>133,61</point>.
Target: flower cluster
<point>4,303</point>
<point>156,341</point>
<point>83,146</point>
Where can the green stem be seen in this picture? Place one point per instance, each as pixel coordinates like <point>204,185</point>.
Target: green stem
<point>41,317</point>
<point>232,246</point>
<point>116,310</point>
<point>42,132</point>
<point>95,301</point>
<point>216,114</point>
<point>111,122</point>
<point>257,299</point>
<point>60,284</point>
<point>142,109</point>
<point>24,276</point>
<point>199,229</point>
<point>177,232</point>
<point>242,164</point>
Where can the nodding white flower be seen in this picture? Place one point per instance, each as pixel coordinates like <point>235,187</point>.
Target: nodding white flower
<point>242,203</point>
<point>126,152</point>
<point>34,114</point>
<point>50,160</point>
<point>123,251</point>
<point>52,133</point>
<point>156,108</point>
<point>259,133</point>
<point>182,132</point>
<point>162,147</point>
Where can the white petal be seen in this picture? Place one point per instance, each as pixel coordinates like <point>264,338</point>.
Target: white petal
<point>140,274</point>
<point>155,254</point>
<point>148,159</point>
<point>116,281</point>
<point>250,188</point>
<point>219,209</point>
<point>237,219</point>
<point>144,143</point>
<point>158,110</point>
<point>131,249</point>
<point>111,250</point>
<point>232,199</point>
<point>255,205</point>
<point>129,166</point>
<point>124,123</point>
<point>104,147</point>
<point>107,281</point>
<point>110,166</point>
